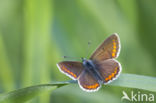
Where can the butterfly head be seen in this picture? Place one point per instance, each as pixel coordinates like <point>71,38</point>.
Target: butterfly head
<point>87,63</point>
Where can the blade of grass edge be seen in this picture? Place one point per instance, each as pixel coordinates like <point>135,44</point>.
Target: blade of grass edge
<point>25,94</point>
<point>136,81</point>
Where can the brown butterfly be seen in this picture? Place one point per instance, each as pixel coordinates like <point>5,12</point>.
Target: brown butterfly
<point>101,68</point>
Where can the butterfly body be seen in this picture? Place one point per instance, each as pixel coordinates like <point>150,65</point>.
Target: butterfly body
<point>100,68</point>
<point>90,67</point>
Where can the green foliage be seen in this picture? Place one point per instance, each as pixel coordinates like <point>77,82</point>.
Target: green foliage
<point>25,94</point>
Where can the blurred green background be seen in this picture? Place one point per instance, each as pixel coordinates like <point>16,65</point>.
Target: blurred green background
<point>35,34</point>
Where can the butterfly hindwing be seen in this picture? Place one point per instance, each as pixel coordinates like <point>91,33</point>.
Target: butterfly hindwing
<point>88,82</point>
<point>110,48</point>
<point>71,68</point>
<point>109,70</point>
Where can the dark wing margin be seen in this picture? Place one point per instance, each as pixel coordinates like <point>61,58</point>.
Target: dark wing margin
<point>71,68</point>
<point>88,82</point>
<point>109,70</point>
<point>110,48</point>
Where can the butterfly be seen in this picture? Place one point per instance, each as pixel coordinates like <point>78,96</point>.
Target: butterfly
<point>100,68</point>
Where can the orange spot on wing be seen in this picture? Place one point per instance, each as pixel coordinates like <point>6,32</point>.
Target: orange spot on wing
<point>112,75</point>
<point>114,49</point>
<point>71,73</point>
<point>106,79</point>
<point>113,54</point>
<point>91,86</point>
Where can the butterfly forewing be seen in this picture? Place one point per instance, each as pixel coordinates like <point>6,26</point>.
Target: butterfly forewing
<point>110,48</point>
<point>108,69</point>
<point>71,68</point>
<point>88,82</point>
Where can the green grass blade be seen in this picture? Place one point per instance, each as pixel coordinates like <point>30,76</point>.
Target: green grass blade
<point>125,80</point>
<point>25,94</point>
<point>6,74</point>
<point>136,81</point>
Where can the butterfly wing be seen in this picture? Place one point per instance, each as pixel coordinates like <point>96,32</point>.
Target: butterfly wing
<point>110,48</point>
<point>88,82</point>
<point>109,70</point>
<point>71,68</point>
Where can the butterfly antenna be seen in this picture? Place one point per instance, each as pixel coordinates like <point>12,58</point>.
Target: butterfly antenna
<point>68,57</point>
<point>87,50</point>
